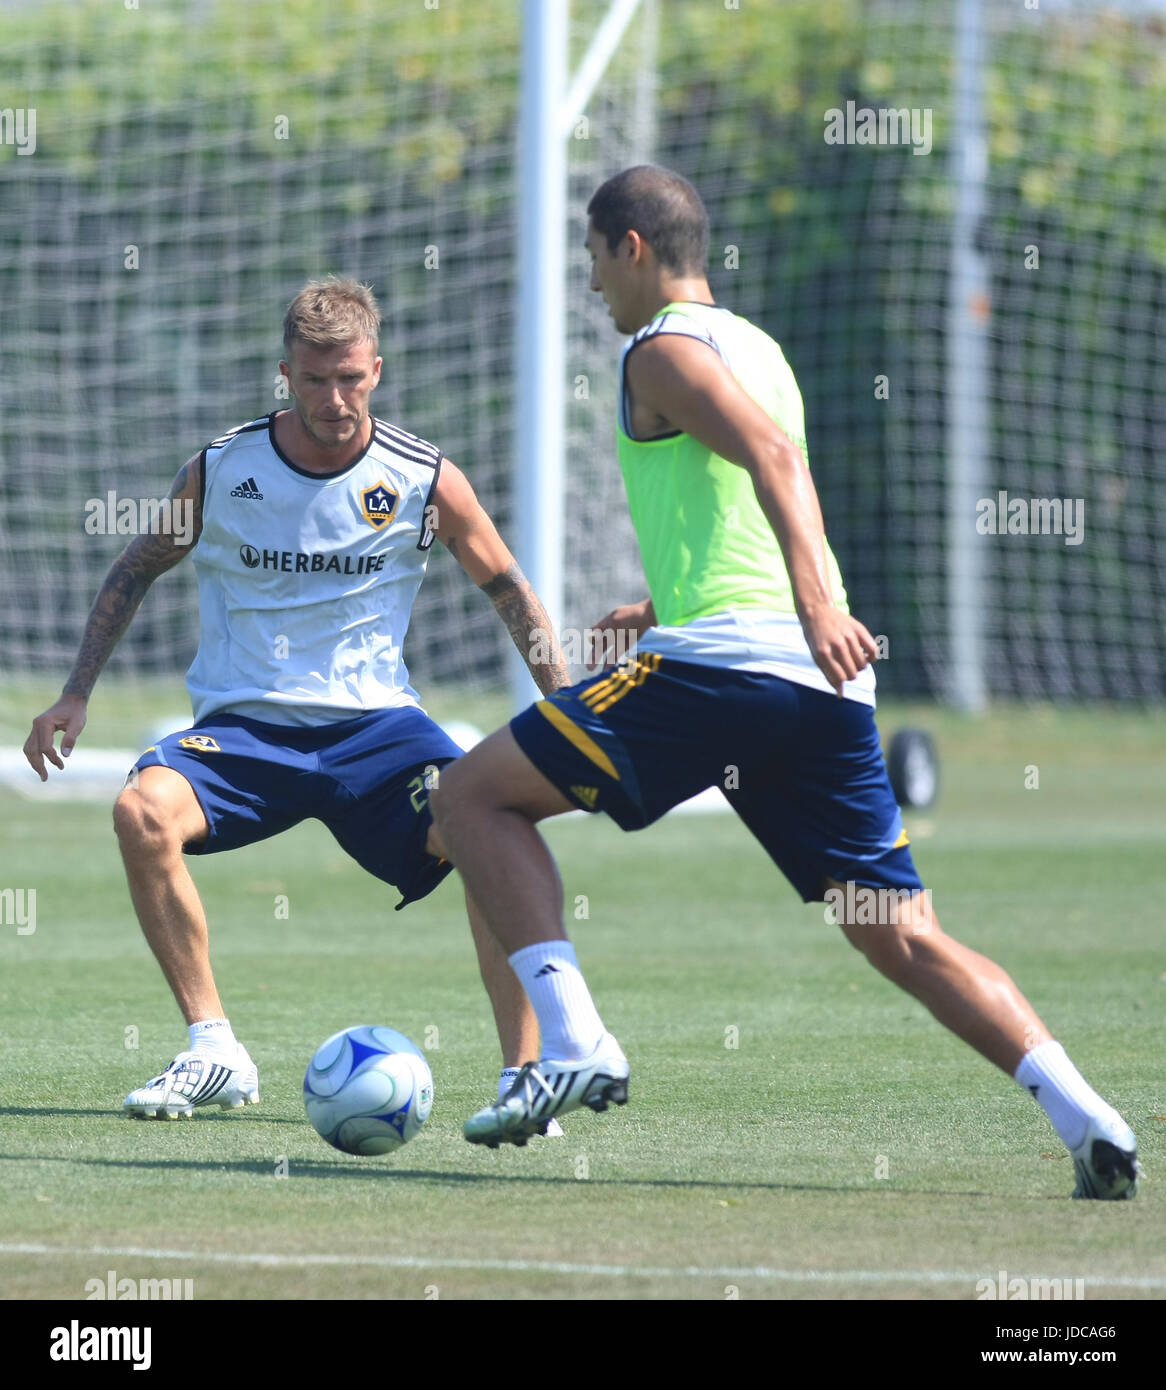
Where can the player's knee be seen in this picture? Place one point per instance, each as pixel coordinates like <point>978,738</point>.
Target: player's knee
<point>434,844</point>
<point>896,950</point>
<point>893,953</point>
<point>130,817</point>
<point>880,944</point>
<point>442,832</point>
<point>449,802</point>
<point>140,825</point>
<point>898,935</point>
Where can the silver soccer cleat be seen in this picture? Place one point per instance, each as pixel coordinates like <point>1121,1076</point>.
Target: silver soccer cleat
<point>543,1090</point>
<point>1106,1162</point>
<point>193,1079</point>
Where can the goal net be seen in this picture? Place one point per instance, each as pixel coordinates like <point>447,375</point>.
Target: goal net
<point>170,174</point>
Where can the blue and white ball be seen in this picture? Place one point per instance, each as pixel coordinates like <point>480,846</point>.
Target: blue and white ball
<point>368,1090</point>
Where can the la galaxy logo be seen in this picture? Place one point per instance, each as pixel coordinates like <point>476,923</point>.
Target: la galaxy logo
<point>199,743</point>
<point>379,505</point>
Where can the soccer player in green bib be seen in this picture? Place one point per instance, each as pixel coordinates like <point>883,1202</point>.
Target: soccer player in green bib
<point>748,659</point>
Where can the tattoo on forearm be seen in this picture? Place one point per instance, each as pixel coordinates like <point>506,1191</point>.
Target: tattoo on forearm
<point>519,607</point>
<point>132,573</point>
<point>504,586</point>
<point>113,609</point>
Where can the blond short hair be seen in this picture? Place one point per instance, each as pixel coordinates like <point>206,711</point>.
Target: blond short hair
<point>332,312</point>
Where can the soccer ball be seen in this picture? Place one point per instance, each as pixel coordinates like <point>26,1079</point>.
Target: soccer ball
<point>368,1090</point>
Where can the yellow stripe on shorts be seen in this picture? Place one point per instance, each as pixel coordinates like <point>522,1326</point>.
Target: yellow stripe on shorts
<point>600,688</point>
<point>583,741</point>
<point>603,695</point>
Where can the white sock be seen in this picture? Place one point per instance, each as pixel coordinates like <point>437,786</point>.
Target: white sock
<point>1062,1092</point>
<point>567,1019</point>
<point>213,1037</point>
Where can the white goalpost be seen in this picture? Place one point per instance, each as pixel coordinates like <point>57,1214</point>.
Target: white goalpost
<point>546,119</point>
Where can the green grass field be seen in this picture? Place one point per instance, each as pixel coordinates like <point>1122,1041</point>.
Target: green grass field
<point>757,1167</point>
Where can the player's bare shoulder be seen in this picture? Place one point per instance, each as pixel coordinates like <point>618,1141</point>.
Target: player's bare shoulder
<point>660,371</point>
<point>454,499</point>
<point>672,361</point>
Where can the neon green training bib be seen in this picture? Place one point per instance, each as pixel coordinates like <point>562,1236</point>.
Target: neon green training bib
<point>707,546</point>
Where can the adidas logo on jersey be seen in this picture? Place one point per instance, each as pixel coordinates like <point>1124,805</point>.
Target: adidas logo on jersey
<point>587,795</point>
<point>249,489</point>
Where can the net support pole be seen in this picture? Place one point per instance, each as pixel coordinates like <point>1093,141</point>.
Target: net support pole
<point>968,432</point>
<point>540,265</point>
<point>548,109</point>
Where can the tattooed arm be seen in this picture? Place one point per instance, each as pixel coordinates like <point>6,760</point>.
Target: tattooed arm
<point>131,574</point>
<point>469,535</point>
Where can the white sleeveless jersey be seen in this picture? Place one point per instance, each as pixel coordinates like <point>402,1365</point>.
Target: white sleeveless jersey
<point>306,583</point>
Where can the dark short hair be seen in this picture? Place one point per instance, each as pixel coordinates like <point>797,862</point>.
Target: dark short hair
<point>663,207</point>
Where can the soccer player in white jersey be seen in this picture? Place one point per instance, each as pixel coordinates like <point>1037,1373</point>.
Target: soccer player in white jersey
<point>748,657</point>
<point>311,537</point>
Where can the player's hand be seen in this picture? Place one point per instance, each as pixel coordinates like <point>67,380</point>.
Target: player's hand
<point>67,714</point>
<point>618,632</point>
<point>839,644</point>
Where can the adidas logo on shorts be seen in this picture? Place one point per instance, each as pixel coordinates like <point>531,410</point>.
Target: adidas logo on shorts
<point>249,489</point>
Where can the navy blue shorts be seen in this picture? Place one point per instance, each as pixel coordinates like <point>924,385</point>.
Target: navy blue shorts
<point>803,769</point>
<point>368,779</point>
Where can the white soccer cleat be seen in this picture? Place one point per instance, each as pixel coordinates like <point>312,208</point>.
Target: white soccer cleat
<point>1106,1161</point>
<point>548,1088</point>
<point>194,1079</point>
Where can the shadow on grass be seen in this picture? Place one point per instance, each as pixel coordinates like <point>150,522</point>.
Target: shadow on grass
<point>363,1169</point>
<point>116,1113</point>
